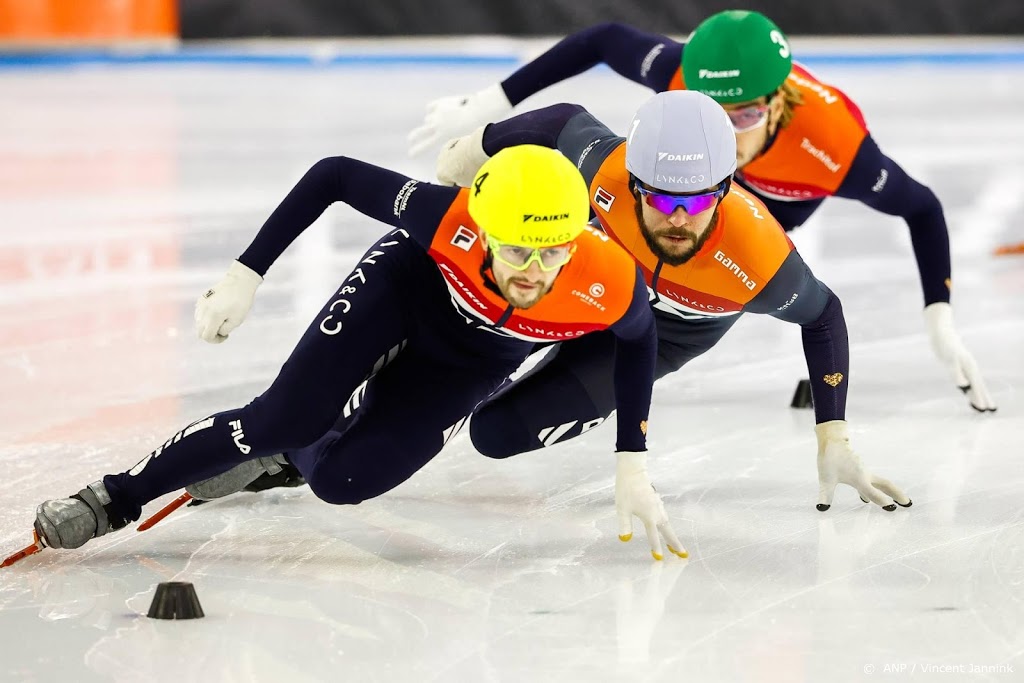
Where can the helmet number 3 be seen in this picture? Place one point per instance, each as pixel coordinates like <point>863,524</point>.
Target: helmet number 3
<point>780,40</point>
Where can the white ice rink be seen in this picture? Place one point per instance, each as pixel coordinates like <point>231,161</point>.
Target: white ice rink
<point>126,190</point>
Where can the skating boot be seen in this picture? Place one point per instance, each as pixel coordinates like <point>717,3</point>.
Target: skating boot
<point>241,477</point>
<point>288,477</point>
<point>70,522</point>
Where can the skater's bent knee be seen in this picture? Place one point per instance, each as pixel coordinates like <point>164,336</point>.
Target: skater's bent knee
<point>335,493</point>
<point>343,490</point>
<point>492,437</point>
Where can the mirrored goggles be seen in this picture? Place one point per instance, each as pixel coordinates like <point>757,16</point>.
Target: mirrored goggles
<point>748,118</point>
<point>691,203</point>
<point>520,258</point>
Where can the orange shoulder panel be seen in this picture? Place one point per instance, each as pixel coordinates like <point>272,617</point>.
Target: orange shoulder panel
<point>677,80</point>
<point>751,238</point>
<point>458,251</point>
<point>811,156</point>
<point>614,206</point>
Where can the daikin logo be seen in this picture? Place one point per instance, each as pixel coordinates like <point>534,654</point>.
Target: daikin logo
<point>665,156</point>
<point>541,219</point>
<point>707,73</point>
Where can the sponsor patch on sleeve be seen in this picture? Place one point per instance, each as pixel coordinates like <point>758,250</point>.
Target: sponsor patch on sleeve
<point>464,238</point>
<point>604,198</point>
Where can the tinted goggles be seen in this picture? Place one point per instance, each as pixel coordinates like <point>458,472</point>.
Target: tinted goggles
<point>691,203</point>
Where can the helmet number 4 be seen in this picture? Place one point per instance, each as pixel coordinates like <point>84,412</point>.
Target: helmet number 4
<point>780,40</point>
<point>479,183</point>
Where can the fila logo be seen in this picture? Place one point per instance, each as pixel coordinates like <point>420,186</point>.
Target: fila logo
<point>238,436</point>
<point>464,238</point>
<point>665,156</point>
<point>603,198</point>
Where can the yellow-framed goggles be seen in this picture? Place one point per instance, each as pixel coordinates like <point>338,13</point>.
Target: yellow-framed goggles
<point>519,257</point>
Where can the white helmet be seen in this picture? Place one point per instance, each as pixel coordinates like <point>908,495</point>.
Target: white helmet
<point>681,141</point>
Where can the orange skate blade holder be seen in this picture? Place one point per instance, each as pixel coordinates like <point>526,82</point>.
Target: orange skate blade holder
<point>166,510</point>
<point>37,545</point>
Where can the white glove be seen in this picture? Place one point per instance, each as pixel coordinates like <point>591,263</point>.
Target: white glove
<point>224,306</point>
<point>951,351</point>
<point>838,464</point>
<point>634,495</point>
<point>450,117</point>
<point>461,158</point>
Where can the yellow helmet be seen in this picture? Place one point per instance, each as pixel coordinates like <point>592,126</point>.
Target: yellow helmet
<point>529,196</point>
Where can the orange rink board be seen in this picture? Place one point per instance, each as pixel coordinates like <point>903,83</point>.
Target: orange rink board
<point>50,20</point>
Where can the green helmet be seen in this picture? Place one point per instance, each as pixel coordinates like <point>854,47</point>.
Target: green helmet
<point>736,56</point>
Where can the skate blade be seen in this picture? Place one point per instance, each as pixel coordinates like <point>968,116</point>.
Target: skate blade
<point>166,510</point>
<point>37,545</point>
